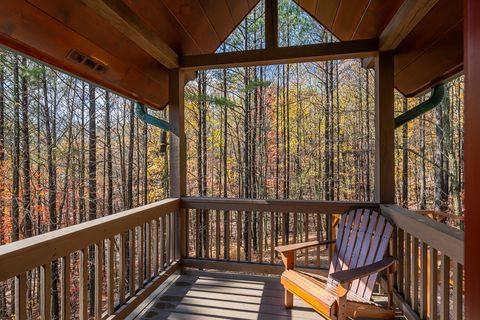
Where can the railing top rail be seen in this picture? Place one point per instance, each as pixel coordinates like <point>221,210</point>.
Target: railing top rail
<point>24,255</point>
<point>273,205</point>
<point>442,237</point>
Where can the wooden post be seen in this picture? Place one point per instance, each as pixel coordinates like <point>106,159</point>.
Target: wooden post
<point>472,156</point>
<point>384,128</point>
<point>178,153</point>
<point>271,23</point>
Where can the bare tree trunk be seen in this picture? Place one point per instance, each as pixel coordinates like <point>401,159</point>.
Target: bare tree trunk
<point>92,186</point>
<point>109,154</point>
<point>405,158</point>
<point>130,158</point>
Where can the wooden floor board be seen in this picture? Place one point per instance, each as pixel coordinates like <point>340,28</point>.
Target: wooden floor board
<point>214,295</point>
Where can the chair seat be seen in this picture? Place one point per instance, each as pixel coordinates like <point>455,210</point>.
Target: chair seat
<point>318,291</point>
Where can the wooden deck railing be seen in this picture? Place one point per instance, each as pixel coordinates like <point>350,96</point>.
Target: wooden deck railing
<point>430,255</point>
<point>225,232</point>
<point>129,254</point>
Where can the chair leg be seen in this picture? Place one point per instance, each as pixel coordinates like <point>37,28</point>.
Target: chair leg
<point>288,299</point>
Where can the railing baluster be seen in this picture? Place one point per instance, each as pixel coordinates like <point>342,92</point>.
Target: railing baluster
<point>167,239</point>
<point>98,280</point>
<point>248,216</point>
<point>46,291</point>
<point>433,289</point>
<point>305,229</point>
<point>445,290</point>
<point>260,237</point>
<point>122,268</point>
<point>457,291</point>
<point>131,262</point>
<point>272,239</point>
<point>239,233</point>
<point>227,234</point>
<point>217,234</point>
<point>83,307</point>
<point>162,243</point>
<point>197,234</point>
<point>172,238</point>
<point>400,256</point>
<point>65,301</point>
<point>148,248</point>
<point>423,281</point>
<point>110,276</point>
<point>141,256</point>
<point>319,238</point>
<point>415,274</point>
<point>155,247</point>
<point>408,267</point>
<point>207,232</point>
<point>21,296</point>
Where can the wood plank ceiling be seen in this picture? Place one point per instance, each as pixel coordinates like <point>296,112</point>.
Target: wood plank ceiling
<point>50,30</point>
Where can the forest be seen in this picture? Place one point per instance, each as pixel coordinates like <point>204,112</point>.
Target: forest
<point>72,152</point>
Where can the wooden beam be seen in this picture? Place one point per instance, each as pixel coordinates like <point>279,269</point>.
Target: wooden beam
<point>271,24</point>
<point>178,153</point>
<point>296,54</point>
<point>384,129</point>
<point>119,15</point>
<point>410,13</point>
<point>472,157</point>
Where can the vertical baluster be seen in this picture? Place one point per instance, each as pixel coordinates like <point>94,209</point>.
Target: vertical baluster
<point>65,300</point>
<point>415,274</point>
<point>155,247</point>
<point>295,227</point>
<point>122,268</point>
<point>46,291</point>
<point>457,291</point>
<point>83,307</point>
<point>407,268</point>
<point>329,236</point>
<point>141,256</point>
<point>148,248</point>
<point>445,289</point>
<point>110,276</point>
<point>197,233</point>
<point>98,279</point>
<point>249,215</point>
<point>395,252</point>
<point>319,238</point>
<point>217,234</point>
<point>423,281</point>
<point>227,234</point>
<point>207,232</point>
<point>162,243</point>
<point>260,237</point>
<point>172,238</point>
<point>167,239</point>
<point>21,296</point>
<point>401,254</point>
<point>272,237</point>
<point>131,262</point>
<point>239,233</point>
<point>305,228</point>
<point>433,289</point>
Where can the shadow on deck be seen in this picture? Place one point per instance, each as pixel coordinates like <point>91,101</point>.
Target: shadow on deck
<point>214,295</point>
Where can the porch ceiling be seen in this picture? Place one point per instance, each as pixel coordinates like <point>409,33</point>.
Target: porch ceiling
<point>50,30</point>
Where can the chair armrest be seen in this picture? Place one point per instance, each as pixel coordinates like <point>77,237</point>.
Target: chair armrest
<point>303,245</point>
<point>350,275</point>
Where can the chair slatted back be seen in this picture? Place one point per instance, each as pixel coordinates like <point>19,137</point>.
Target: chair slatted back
<point>362,239</point>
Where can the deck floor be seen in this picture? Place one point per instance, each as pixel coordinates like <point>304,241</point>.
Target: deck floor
<point>213,295</point>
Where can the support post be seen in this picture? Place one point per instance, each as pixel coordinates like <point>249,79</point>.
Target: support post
<point>178,154</point>
<point>384,128</point>
<point>271,24</point>
<point>472,156</point>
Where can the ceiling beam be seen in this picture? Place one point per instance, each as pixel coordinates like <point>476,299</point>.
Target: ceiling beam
<point>410,13</point>
<point>120,16</point>
<point>271,23</point>
<point>296,54</point>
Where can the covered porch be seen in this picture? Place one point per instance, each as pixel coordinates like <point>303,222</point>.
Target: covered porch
<point>147,259</point>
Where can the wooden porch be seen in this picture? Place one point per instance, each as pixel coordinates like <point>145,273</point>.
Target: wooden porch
<point>150,239</point>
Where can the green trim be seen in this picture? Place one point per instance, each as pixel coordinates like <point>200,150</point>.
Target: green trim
<point>435,99</point>
<point>142,114</point>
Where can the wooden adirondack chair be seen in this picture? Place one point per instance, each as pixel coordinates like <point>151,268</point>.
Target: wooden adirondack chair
<point>363,237</point>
